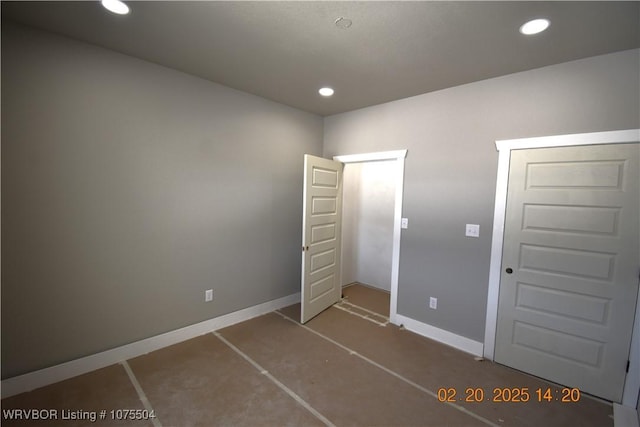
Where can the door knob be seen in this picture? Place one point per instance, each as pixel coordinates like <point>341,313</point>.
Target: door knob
<point>509,270</point>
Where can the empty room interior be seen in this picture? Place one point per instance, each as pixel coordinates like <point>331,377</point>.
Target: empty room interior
<point>297,213</point>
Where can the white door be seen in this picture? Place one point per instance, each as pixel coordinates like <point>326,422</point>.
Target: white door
<point>321,230</point>
<point>569,278</point>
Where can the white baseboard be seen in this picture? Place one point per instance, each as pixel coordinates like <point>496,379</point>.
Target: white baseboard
<point>457,341</point>
<point>624,416</point>
<point>53,374</point>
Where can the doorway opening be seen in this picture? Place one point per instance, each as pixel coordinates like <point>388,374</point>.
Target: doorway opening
<point>372,209</point>
<point>368,198</point>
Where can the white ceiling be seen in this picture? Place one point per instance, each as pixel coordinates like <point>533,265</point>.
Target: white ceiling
<point>285,51</point>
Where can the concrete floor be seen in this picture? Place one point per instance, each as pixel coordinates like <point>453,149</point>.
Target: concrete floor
<point>342,368</point>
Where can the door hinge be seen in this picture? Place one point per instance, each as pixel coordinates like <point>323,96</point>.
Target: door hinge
<point>628,363</point>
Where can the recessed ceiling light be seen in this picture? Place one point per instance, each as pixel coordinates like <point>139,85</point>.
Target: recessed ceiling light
<point>326,91</point>
<point>534,27</point>
<point>116,6</point>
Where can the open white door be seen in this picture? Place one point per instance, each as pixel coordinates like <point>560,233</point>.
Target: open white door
<point>321,229</point>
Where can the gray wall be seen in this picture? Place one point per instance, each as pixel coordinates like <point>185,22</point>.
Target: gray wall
<point>369,190</point>
<point>450,173</point>
<point>127,190</point>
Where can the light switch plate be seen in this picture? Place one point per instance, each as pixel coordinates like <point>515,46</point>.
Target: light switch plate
<point>472,230</point>
<point>404,223</point>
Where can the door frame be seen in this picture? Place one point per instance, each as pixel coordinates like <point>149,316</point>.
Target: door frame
<point>399,156</point>
<point>504,147</point>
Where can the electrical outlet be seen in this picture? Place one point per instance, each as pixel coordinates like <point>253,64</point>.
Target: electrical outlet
<point>208,295</point>
<point>433,303</point>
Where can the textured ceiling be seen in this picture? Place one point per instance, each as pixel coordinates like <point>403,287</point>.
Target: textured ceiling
<point>285,51</point>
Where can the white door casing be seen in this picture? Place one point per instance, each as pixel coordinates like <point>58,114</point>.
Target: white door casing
<point>570,265</point>
<point>321,230</point>
<point>632,382</point>
<point>399,157</point>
